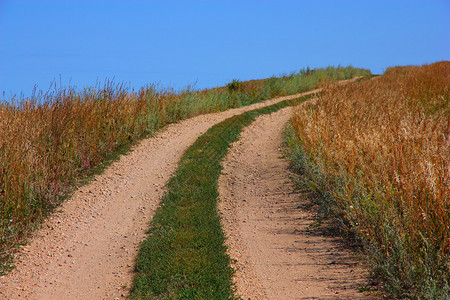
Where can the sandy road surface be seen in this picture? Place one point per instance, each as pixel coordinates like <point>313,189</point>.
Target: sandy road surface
<point>87,250</point>
<point>275,252</point>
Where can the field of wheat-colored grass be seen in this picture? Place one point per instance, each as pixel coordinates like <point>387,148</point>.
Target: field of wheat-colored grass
<point>380,149</point>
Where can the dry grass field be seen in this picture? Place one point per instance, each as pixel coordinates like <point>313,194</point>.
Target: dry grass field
<point>380,151</point>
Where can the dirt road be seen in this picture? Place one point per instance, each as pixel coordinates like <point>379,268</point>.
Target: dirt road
<point>87,250</point>
<point>275,250</point>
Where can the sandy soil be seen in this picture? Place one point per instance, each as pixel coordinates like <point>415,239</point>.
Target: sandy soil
<point>275,250</point>
<point>87,249</point>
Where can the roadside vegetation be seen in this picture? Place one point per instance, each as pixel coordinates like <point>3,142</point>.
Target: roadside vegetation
<point>378,153</point>
<point>52,142</point>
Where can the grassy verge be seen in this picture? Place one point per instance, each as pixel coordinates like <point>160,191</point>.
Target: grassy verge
<point>50,142</point>
<point>377,152</point>
<point>184,256</point>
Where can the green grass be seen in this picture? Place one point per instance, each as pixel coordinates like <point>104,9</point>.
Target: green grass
<point>184,255</point>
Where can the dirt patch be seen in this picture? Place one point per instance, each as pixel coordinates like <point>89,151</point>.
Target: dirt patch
<point>274,249</point>
<point>87,250</point>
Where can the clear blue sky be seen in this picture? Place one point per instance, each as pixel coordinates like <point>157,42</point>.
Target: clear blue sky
<point>209,42</point>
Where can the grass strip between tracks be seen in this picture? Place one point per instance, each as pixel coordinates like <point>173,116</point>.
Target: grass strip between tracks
<point>184,255</point>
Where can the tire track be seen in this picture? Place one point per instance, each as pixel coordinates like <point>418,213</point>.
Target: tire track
<point>276,253</point>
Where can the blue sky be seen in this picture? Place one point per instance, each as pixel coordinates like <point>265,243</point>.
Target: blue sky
<point>209,43</point>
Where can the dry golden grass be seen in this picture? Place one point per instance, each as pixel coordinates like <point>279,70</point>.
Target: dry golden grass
<point>44,147</point>
<point>384,145</point>
<point>48,145</point>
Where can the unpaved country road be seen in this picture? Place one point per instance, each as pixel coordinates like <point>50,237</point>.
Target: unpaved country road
<point>87,250</point>
<point>274,251</point>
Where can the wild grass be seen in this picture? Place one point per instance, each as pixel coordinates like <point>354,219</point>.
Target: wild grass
<point>379,152</point>
<point>49,142</point>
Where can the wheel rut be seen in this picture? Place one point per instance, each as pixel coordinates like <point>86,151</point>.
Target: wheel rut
<point>274,249</point>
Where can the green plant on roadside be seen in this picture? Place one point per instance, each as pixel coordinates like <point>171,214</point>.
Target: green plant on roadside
<point>184,255</point>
